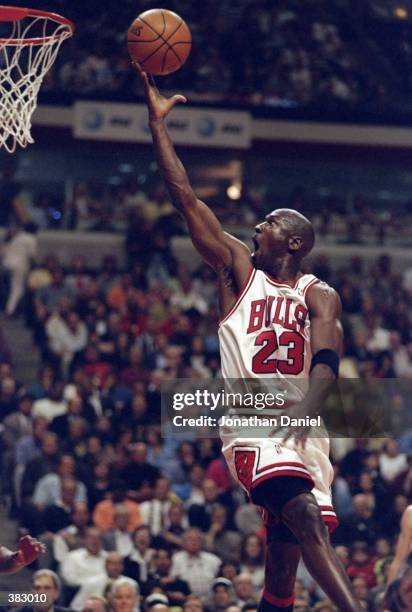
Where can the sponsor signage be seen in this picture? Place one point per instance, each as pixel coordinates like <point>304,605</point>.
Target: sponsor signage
<point>188,126</point>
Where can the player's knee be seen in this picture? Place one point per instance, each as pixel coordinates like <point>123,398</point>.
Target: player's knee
<point>303,517</point>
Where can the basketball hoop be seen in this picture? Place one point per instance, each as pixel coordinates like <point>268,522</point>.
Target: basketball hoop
<point>29,42</point>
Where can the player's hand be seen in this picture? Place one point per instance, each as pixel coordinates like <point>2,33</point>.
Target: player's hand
<point>29,549</point>
<point>159,106</point>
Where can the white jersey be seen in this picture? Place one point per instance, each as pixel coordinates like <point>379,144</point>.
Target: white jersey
<point>266,334</point>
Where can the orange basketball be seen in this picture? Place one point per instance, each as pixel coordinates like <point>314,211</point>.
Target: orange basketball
<point>160,41</point>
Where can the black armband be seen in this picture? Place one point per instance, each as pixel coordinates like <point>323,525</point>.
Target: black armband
<point>329,358</point>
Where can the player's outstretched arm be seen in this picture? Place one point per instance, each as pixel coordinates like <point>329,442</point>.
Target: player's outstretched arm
<point>403,546</point>
<point>29,549</point>
<point>217,248</point>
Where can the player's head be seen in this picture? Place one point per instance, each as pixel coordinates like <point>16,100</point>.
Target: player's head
<point>284,232</point>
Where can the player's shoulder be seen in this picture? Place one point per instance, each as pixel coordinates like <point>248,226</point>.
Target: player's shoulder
<point>321,296</point>
<point>407,518</point>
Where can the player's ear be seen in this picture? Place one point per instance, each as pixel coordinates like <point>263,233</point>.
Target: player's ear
<point>295,243</point>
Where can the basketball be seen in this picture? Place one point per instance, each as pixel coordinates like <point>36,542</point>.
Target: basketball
<point>160,41</point>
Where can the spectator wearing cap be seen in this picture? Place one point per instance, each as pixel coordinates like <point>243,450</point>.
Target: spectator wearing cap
<point>125,595</point>
<point>83,564</point>
<point>103,514</point>
<point>156,601</point>
<point>113,570</point>
<point>222,595</point>
<point>174,587</point>
<point>195,565</point>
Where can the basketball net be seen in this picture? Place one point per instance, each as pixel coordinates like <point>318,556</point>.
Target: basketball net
<point>29,43</point>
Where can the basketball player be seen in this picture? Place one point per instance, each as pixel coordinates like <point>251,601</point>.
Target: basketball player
<point>403,547</point>
<point>299,335</point>
<point>28,550</point>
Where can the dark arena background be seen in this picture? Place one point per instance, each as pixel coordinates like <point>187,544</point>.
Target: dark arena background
<point>304,104</point>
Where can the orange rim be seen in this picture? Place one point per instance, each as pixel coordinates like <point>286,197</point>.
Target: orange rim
<point>14,13</point>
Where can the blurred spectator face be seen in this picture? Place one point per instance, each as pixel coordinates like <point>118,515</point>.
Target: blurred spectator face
<point>244,587</point>
<point>210,491</point>
<point>362,506</point>
<point>93,541</point>
<point>124,599</point>
<point>139,406</point>
<point>75,406</point>
<point>192,541</point>
<point>159,608</point>
<point>219,516</point>
<point>139,454</point>
<point>382,548</point>
<point>228,570</point>
<point>193,604</point>
<point>66,466</point>
<point>360,587</point>
<point>221,596</point>
<point>366,482</point>
<point>114,565</point>
<point>372,461</point>
<point>6,371</point>
<point>94,446</point>
<point>80,515</point>
<point>233,609</point>
<point>135,356</point>
<point>176,515</point>
<point>400,504</point>
<point>93,604</point>
<point>359,554</point>
<point>39,427</point>
<point>69,488</point>
<point>392,448</point>
<point>162,562</point>
<point>50,444</point>
<point>121,517</point>
<point>343,554</point>
<point>8,387</point>
<point>253,548</point>
<point>101,471</point>
<point>197,475</point>
<point>45,584</point>
<point>25,405</point>
<point>162,488</point>
<point>141,538</point>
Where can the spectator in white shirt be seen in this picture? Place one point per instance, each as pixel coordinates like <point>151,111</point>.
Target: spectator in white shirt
<point>18,254</point>
<point>125,595</point>
<point>391,462</point>
<point>83,564</point>
<point>99,584</point>
<point>155,513</point>
<point>195,565</point>
<point>119,538</point>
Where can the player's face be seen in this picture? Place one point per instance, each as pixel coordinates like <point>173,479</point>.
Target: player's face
<point>271,239</point>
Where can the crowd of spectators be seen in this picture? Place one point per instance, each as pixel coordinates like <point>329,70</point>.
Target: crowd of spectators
<point>85,467</point>
<point>286,53</point>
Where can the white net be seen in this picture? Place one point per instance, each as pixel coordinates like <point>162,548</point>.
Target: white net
<point>28,49</point>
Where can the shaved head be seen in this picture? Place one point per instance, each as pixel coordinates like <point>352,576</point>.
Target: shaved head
<point>298,226</point>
